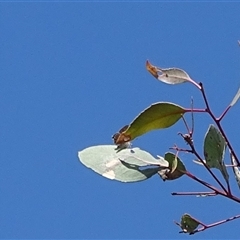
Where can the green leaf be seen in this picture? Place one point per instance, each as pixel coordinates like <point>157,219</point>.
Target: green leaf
<point>157,116</point>
<point>235,169</point>
<point>176,167</point>
<point>188,224</point>
<point>214,150</point>
<point>236,97</point>
<point>124,166</point>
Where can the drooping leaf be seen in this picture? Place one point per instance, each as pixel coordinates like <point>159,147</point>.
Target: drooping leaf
<point>124,166</point>
<point>168,75</point>
<point>157,116</point>
<point>214,150</point>
<point>235,169</point>
<point>176,167</point>
<point>188,224</point>
<point>236,97</point>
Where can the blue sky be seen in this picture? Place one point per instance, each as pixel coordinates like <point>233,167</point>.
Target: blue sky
<point>72,74</point>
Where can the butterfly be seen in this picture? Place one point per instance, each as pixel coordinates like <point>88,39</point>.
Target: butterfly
<point>116,138</point>
<point>116,135</point>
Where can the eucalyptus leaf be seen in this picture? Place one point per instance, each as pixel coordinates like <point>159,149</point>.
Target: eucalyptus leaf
<point>214,150</point>
<point>124,166</point>
<point>168,75</point>
<point>188,224</point>
<point>173,76</point>
<point>175,169</point>
<point>157,116</point>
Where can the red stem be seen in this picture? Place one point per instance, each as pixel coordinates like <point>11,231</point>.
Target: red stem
<point>223,114</point>
<point>217,121</point>
<point>215,224</point>
<point>209,170</point>
<point>194,193</point>
<point>212,187</point>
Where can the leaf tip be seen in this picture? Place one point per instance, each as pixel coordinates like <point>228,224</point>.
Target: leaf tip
<point>152,69</point>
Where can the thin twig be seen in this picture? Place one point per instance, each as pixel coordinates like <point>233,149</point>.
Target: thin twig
<point>208,169</point>
<point>223,114</point>
<point>234,198</point>
<point>217,121</point>
<point>215,224</point>
<point>207,194</point>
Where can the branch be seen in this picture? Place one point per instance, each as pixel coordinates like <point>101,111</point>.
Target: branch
<point>201,194</point>
<point>217,121</point>
<point>215,224</point>
<point>225,194</point>
<point>205,165</point>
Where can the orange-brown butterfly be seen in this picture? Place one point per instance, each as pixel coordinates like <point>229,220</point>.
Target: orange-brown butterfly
<point>115,138</point>
<point>116,135</point>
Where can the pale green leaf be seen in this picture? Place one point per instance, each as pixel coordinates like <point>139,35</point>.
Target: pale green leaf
<point>168,75</point>
<point>173,76</point>
<point>124,166</point>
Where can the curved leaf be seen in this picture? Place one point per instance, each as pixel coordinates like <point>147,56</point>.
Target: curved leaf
<point>157,116</point>
<point>236,97</point>
<point>124,166</point>
<point>168,75</point>
<point>214,149</point>
<point>176,167</point>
